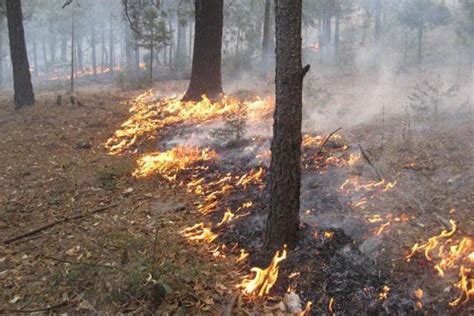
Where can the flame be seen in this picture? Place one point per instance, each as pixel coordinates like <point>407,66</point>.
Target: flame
<point>252,176</point>
<point>147,116</point>
<point>419,294</point>
<point>384,294</point>
<point>264,279</point>
<point>243,256</point>
<point>170,162</point>
<point>328,235</point>
<point>466,285</point>
<point>228,216</point>
<point>331,304</point>
<point>199,232</point>
<point>307,309</point>
<point>451,254</point>
<point>432,243</point>
<point>353,184</point>
<point>382,227</point>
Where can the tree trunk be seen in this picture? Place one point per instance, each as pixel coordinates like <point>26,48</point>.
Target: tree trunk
<point>378,31</point>
<point>111,45</point>
<point>285,173</point>
<point>336,36</point>
<point>73,40</point>
<point>190,44</point>
<point>93,50</point>
<point>80,63</point>
<point>206,69</point>
<point>181,42</point>
<point>266,35</point>
<point>45,53</point>
<point>35,56</point>
<point>21,69</point>
<point>52,42</point>
<point>420,43</point>
<point>103,52</point>
<point>170,27</point>
<point>2,17</point>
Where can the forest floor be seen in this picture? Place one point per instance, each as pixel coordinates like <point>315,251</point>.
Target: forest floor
<point>54,165</point>
<point>129,256</point>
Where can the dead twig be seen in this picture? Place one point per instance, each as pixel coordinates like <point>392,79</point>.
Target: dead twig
<point>29,311</point>
<point>366,157</point>
<point>56,222</point>
<point>326,140</point>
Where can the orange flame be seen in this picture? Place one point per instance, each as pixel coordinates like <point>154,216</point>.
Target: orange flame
<point>170,162</point>
<point>264,279</point>
<point>199,232</point>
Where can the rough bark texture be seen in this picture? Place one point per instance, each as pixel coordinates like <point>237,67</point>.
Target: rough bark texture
<point>21,69</point>
<point>206,68</point>
<point>285,174</point>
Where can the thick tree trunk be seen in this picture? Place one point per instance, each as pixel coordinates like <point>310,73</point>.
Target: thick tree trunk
<point>21,69</point>
<point>206,69</point>
<point>266,35</point>
<point>190,43</point>
<point>285,173</point>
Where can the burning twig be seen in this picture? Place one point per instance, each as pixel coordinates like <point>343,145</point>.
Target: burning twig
<point>325,141</point>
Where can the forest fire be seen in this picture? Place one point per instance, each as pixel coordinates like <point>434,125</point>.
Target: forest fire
<point>450,254</point>
<point>199,232</point>
<point>148,116</point>
<point>263,279</point>
<point>169,163</point>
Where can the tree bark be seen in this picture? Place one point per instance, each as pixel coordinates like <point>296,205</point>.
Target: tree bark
<point>111,45</point>
<point>93,50</point>
<point>21,68</point>
<point>206,68</point>
<point>35,56</point>
<point>285,174</point>
<point>336,36</point>
<point>2,17</point>
<point>181,41</point>
<point>266,35</point>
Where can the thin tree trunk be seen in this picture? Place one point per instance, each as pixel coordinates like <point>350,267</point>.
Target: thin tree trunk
<point>24,95</point>
<point>63,47</point>
<point>266,35</point>
<point>80,63</point>
<point>103,52</point>
<point>73,38</point>
<point>35,56</point>
<point>285,173</point>
<point>111,45</point>
<point>336,37</point>
<point>45,53</point>
<point>93,50</point>
<point>181,42</point>
<point>170,27</point>
<point>420,43</point>
<point>206,70</point>
<point>2,19</point>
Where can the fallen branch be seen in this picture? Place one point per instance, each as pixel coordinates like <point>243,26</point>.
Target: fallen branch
<point>326,140</point>
<point>366,157</point>
<point>54,223</point>
<point>29,311</point>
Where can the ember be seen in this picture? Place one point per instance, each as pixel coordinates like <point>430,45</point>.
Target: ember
<point>199,232</point>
